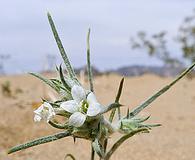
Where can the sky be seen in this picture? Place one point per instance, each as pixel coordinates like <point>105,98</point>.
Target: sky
<point>26,36</point>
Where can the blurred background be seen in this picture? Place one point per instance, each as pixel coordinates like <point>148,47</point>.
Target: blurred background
<point>148,42</point>
<point>27,44</point>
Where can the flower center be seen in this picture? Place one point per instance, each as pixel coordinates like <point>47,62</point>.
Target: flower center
<point>45,111</point>
<point>84,106</point>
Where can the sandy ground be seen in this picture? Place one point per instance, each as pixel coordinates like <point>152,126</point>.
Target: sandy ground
<point>175,110</point>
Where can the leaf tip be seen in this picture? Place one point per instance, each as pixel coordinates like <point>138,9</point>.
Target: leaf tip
<point>9,151</point>
<point>89,30</point>
<point>48,14</point>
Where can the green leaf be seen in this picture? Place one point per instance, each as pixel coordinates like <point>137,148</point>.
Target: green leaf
<point>56,82</point>
<point>89,70</point>
<point>117,100</point>
<point>39,141</point>
<point>69,68</point>
<point>140,120</point>
<point>128,113</point>
<point>92,152</point>
<point>150,125</point>
<point>120,90</point>
<point>110,107</point>
<point>59,126</point>
<point>111,117</point>
<point>68,88</point>
<point>98,148</point>
<point>47,81</point>
<point>159,93</point>
<point>62,90</point>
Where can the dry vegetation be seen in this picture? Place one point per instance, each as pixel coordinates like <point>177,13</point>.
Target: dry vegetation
<point>175,110</point>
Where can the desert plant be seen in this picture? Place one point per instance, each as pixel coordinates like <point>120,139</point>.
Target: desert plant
<point>6,89</point>
<point>186,37</point>
<point>156,44</point>
<point>84,115</point>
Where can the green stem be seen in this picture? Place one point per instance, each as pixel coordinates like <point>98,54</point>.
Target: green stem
<point>58,126</point>
<point>39,141</point>
<point>105,145</point>
<point>92,153</point>
<point>120,141</point>
<point>90,78</point>
<point>114,110</point>
<point>89,69</point>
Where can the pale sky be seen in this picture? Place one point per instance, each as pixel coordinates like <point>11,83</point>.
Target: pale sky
<point>25,33</point>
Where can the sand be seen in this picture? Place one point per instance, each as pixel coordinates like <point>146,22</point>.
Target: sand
<point>175,110</point>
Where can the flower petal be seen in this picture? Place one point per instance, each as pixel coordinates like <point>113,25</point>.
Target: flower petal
<point>77,119</point>
<point>49,106</point>
<point>78,93</point>
<point>37,118</point>
<point>94,109</point>
<point>39,110</point>
<point>70,106</point>
<point>91,98</point>
<point>44,112</point>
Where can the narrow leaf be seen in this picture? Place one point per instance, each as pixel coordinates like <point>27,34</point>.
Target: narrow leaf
<point>140,120</point>
<point>114,109</point>
<point>128,113</point>
<point>63,80</point>
<point>47,81</point>
<point>119,90</point>
<point>39,141</point>
<point>110,107</point>
<point>89,69</point>
<point>61,49</point>
<point>159,93</point>
<point>98,148</point>
<point>92,152</point>
<point>151,125</point>
<point>117,100</point>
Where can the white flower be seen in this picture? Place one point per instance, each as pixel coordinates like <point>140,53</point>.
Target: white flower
<point>45,112</point>
<point>81,106</point>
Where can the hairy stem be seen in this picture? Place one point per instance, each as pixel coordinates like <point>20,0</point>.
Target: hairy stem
<point>92,153</point>
<point>62,50</point>
<point>120,141</point>
<point>89,69</point>
<point>39,141</point>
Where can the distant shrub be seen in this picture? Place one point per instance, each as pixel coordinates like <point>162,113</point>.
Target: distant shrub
<point>6,89</point>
